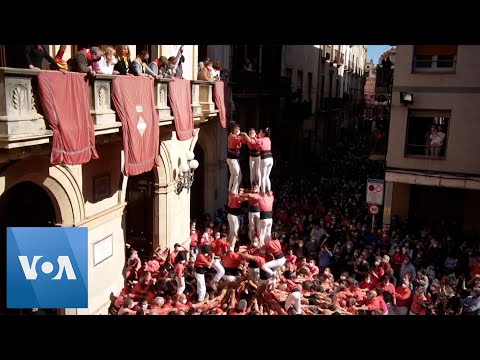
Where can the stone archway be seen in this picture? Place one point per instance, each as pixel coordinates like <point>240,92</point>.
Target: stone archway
<point>20,207</point>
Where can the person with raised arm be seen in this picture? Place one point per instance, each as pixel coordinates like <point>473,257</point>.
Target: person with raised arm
<point>235,141</point>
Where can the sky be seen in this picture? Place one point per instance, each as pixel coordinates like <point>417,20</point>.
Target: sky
<point>375,51</point>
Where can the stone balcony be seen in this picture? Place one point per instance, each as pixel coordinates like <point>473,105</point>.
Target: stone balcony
<point>21,125</point>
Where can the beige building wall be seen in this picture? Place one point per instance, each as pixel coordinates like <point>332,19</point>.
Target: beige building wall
<point>458,93</point>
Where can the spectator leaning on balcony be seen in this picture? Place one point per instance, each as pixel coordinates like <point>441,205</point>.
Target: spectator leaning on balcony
<point>107,62</point>
<point>34,55</point>
<point>206,73</point>
<point>83,60</point>
<point>159,66</point>
<point>124,63</point>
<point>179,72</point>
<point>171,68</point>
<point>139,65</point>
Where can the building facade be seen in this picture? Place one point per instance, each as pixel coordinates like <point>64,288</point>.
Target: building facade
<point>327,84</point>
<point>369,90</point>
<point>431,168</point>
<point>144,211</point>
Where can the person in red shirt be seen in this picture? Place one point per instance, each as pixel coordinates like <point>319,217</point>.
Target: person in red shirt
<point>254,160</point>
<point>219,247</point>
<point>253,212</point>
<point>388,293</point>
<point>265,203</point>
<point>264,144</point>
<point>292,259</point>
<point>314,270</point>
<point>260,260</point>
<point>367,283</point>
<point>377,271</point>
<point>234,208</point>
<point>403,294</point>
<point>231,262</point>
<point>180,272</point>
<point>419,299</point>
<point>235,141</point>
<point>274,248</point>
<point>253,269</point>
<point>203,261</point>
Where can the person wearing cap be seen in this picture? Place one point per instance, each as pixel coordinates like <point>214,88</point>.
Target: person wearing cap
<point>203,261</point>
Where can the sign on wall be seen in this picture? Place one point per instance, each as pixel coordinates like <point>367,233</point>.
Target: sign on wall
<point>375,191</point>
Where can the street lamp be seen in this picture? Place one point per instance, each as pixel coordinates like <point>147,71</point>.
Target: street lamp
<point>186,173</point>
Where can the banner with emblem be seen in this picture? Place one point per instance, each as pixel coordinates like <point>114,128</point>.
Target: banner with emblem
<point>134,102</point>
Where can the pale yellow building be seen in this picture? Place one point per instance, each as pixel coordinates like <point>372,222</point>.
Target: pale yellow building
<point>435,176</point>
<point>143,210</point>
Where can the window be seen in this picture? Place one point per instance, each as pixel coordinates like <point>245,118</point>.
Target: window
<point>434,58</point>
<point>427,133</point>
<point>309,85</point>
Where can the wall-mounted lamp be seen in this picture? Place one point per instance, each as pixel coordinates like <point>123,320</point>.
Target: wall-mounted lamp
<point>186,173</point>
<point>406,98</point>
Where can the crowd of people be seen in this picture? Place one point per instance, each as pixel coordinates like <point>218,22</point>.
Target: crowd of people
<point>322,256</point>
<point>111,60</point>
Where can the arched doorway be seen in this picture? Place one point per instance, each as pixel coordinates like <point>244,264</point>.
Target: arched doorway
<point>24,205</point>
<point>197,191</point>
<point>140,212</point>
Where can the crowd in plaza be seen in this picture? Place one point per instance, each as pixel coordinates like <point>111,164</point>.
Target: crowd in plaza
<point>311,251</point>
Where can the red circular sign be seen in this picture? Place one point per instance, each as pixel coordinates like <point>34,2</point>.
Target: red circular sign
<point>373,209</point>
<point>378,188</point>
<point>371,188</point>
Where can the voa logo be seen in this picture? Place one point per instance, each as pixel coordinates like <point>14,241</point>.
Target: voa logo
<point>30,268</point>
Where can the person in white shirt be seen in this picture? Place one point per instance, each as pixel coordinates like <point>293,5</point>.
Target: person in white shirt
<point>107,62</point>
<point>437,140</point>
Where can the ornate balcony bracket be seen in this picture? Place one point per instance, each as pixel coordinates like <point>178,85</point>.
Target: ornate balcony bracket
<point>100,100</point>
<point>161,100</point>
<point>20,122</point>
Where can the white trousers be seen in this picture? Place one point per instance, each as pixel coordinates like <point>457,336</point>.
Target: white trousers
<point>233,225</point>
<point>254,162</point>
<point>253,218</point>
<point>294,298</point>
<point>235,175</point>
<point>272,266</point>
<point>265,170</point>
<point>264,230</point>
<point>180,285</point>
<point>217,265</point>
<point>201,287</point>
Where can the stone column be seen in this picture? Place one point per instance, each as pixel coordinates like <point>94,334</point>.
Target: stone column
<point>100,100</point>
<point>206,94</point>
<point>18,114</point>
<point>196,107</point>
<point>161,100</point>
